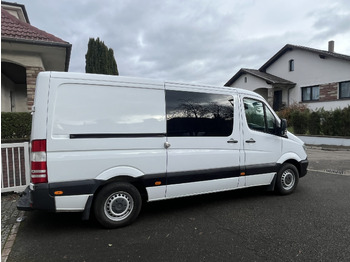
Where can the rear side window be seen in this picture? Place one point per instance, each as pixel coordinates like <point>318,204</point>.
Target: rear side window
<point>259,117</point>
<point>91,109</point>
<point>198,114</point>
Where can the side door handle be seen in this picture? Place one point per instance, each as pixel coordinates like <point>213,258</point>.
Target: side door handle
<point>250,141</point>
<point>232,141</point>
<point>166,145</point>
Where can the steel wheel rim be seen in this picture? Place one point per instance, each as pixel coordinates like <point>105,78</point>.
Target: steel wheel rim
<point>288,179</point>
<point>118,206</point>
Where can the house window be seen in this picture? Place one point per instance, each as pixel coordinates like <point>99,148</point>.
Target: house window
<point>310,93</point>
<point>344,89</point>
<point>291,65</point>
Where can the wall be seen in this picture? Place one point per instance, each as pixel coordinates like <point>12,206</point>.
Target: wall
<point>32,73</point>
<point>309,70</point>
<point>252,83</point>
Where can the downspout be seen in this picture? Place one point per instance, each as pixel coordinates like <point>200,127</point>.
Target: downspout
<point>288,97</point>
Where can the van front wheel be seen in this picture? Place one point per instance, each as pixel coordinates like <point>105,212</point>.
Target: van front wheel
<point>287,179</point>
<point>117,205</point>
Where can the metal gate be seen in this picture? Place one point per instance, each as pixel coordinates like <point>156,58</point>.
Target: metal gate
<point>15,169</point>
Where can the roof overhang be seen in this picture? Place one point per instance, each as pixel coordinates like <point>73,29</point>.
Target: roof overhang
<point>55,56</point>
<point>273,80</point>
<point>321,53</point>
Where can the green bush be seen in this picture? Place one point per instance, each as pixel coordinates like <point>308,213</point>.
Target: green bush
<point>326,123</point>
<point>287,112</point>
<point>320,122</point>
<point>314,123</point>
<point>15,127</point>
<point>299,121</point>
<point>345,129</point>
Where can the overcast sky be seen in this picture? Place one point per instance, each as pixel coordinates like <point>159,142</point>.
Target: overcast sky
<point>203,41</point>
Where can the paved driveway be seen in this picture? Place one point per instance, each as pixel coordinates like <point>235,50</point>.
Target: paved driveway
<point>246,225</point>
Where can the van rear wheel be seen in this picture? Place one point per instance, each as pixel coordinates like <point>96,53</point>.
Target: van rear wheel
<point>117,205</point>
<point>287,179</point>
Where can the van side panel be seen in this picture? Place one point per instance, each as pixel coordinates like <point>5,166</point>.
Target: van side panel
<point>102,130</point>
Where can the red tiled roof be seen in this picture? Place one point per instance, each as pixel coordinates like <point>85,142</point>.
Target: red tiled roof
<point>11,27</point>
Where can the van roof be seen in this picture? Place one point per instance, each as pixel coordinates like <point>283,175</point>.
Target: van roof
<point>111,78</point>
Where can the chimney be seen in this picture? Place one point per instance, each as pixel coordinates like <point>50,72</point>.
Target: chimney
<point>331,46</point>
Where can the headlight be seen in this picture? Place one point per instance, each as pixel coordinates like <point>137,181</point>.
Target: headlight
<point>305,149</point>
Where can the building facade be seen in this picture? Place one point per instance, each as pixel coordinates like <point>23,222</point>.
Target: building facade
<point>297,74</point>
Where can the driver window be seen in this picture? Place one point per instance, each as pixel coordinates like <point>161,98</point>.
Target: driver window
<point>254,112</point>
<point>259,117</point>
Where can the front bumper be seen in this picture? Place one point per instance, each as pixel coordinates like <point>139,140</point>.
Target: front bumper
<point>303,167</point>
<point>36,199</point>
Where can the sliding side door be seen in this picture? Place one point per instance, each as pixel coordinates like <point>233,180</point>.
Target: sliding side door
<point>203,141</point>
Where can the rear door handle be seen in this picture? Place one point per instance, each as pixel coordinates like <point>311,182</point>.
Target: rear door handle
<point>250,141</point>
<point>233,141</point>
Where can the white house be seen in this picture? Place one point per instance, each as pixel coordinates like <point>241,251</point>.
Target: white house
<point>298,74</point>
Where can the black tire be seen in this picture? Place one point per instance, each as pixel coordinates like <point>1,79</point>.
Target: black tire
<point>287,179</point>
<point>117,205</point>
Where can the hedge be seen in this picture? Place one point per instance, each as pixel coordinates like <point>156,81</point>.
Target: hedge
<point>15,127</point>
<point>319,122</point>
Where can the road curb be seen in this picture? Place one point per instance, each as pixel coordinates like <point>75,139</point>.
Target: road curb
<point>10,223</point>
<point>5,252</point>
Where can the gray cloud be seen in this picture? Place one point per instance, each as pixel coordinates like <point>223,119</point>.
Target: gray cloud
<point>332,21</point>
<point>191,41</point>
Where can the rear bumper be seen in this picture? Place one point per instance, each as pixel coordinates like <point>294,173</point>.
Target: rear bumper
<point>36,199</point>
<point>303,167</point>
<point>24,203</point>
<point>42,196</point>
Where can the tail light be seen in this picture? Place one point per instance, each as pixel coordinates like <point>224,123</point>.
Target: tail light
<point>38,164</point>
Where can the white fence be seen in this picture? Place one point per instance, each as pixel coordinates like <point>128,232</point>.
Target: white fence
<point>15,169</point>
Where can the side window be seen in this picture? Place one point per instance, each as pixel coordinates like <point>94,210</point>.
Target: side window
<point>259,117</point>
<point>254,112</point>
<point>198,114</point>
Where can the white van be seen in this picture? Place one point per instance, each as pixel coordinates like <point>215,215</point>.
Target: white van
<point>105,144</point>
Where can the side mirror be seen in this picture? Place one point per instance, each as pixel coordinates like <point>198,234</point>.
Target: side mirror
<point>283,128</point>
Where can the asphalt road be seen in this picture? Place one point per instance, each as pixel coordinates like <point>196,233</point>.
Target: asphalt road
<point>313,224</point>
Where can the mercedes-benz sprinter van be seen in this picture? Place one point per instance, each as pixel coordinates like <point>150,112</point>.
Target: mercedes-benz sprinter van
<point>107,144</point>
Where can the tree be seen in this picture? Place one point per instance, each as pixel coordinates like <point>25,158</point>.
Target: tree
<point>100,59</point>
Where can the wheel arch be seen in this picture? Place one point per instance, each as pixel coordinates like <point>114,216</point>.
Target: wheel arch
<point>291,158</point>
<point>135,181</point>
<point>118,174</point>
<point>123,174</point>
<point>292,161</point>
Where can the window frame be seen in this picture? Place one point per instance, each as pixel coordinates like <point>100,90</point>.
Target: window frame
<point>340,89</point>
<point>311,93</point>
<point>291,65</point>
<point>265,118</point>
<point>193,126</point>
